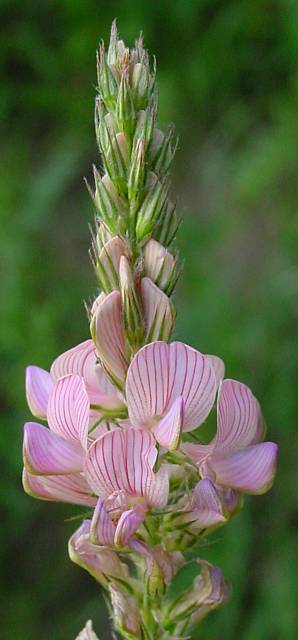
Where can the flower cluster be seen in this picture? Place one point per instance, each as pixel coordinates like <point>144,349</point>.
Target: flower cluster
<point>125,407</point>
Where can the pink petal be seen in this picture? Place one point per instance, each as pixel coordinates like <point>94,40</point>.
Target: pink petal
<point>128,524</point>
<point>68,409</point>
<point>102,530</point>
<point>196,452</point>
<point>158,490</point>
<point>99,561</point>
<point>168,430</point>
<point>239,421</point>
<point>108,335</point>
<point>218,367</point>
<point>38,384</point>
<point>158,311</point>
<point>81,360</point>
<point>207,507</point>
<point>109,261</point>
<point>46,453</point>
<point>159,373</point>
<point>250,470</point>
<point>65,488</point>
<point>121,460</point>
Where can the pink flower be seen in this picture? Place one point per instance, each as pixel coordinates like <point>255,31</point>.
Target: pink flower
<point>170,389</point>
<point>236,457</point>
<point>54,456</point>
<point>99,562</point>
<point>80,360</point>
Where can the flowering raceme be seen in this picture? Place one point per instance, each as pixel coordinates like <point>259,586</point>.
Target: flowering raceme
<point>124,409</point>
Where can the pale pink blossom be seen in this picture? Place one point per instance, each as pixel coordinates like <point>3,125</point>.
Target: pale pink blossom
<point>236,457</point>
<point>170,389</point>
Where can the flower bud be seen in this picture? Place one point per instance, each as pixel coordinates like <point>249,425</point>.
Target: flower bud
<point>107,84</point>
<point>145,126</point>
<point>125,112</point>
<point>209,591</point>
<point>160,266</point>
<point>107,332</point>
<point>141,85</point>
<point>105,126</point>
<point>87,633</point>
<point>98,561</point>
<point>161,151</point>
<point>116,161</point>
<point>131,309</point>
<point>110,206</point>
<point>125,612</point>
<point>107,263</point>
<point>137,173</point>
<point>158,311</point>
<point>168,224</point>
<point>151,208</point>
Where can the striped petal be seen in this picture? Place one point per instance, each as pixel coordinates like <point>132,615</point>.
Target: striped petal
<point>218,366</point>
<point>239,421</point>
<point>121,460</point>
<point>108,262</point>
<point>61,488</point>
<point>102,529</point>
<point>250,470</point>
<point>108,335</point>
<point>158,489</point>
<point>128,524</point>
<point>207,507</point>
<point>46,453</point>
<point>158,311</point>
<point>68,409</point>
<point>168,430</point>
<point>161,372</point>
<point>38,383</point>
<point>99,561</point>
<point>81,360</point>
<point>197,452</point>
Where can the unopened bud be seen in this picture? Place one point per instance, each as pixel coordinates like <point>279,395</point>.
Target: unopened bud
<point>160,266</point>
<point>110,206</point>
<point>116,161</point>
<point>125,112</point>
<point>107,332</point>
<point>158,311</point>
<point>108,261</point>
<point>151,209</point>
<point>141,85</point>
<point>131,308</point>
<point>107,84</point>
<point>145,125</point>
<point>87,633</point>
<point>161,151</point>
<point>125,612</point>
<point>137,172</point>
<point>166,230</point>
<point>209,591</point>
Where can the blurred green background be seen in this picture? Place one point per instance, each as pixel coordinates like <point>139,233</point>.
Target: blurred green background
<point>227,75</point>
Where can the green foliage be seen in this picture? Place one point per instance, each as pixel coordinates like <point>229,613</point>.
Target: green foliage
<point>228,79</point>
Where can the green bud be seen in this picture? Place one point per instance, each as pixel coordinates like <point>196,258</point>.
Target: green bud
<point>151,208</point>
<point>168,224</point>
<point>161,151</point>
<point>125,111</point>
<point>107,84</point>
<point>110,206</point>
<point>136,177</point>
<point>140,84</point>
<point>131,308</point>
<point>116,161</point>
<point>145,126</point>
